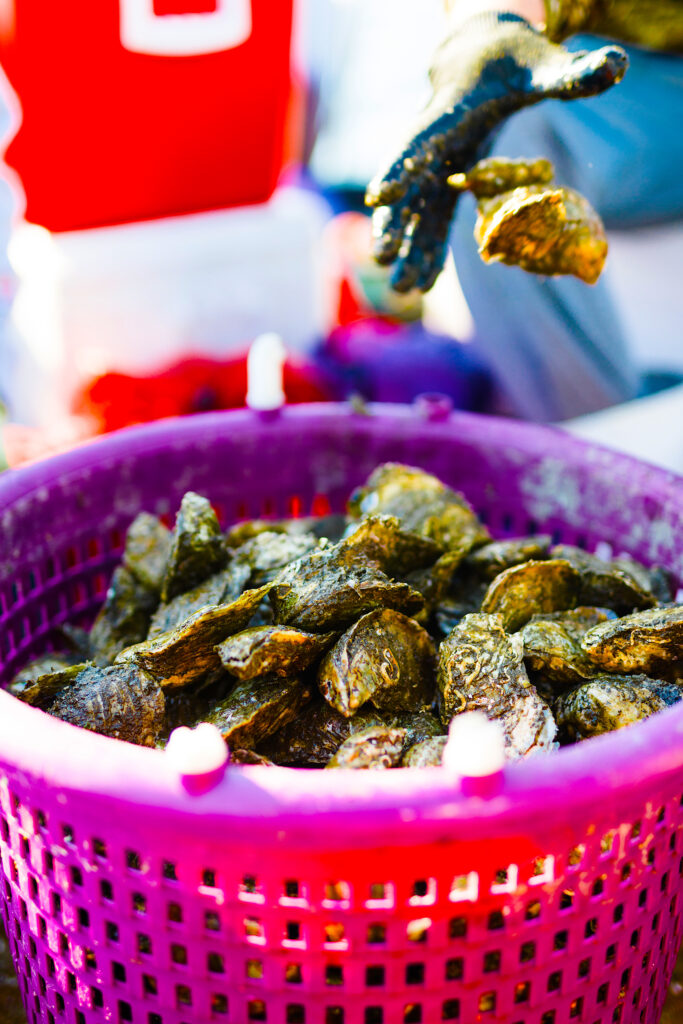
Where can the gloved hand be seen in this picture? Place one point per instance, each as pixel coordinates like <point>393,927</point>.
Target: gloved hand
<point>494,65</point>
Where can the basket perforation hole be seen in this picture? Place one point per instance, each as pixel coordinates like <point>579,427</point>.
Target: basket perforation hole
<point>335,933</point>
<point>626,872</point>
<point>334,1015</point>
<point>256,1010</point>
<point>291,889</point>
<point>415,974</point>
<point>183,996</point>
<point>455,968</point>
<point>32,883</point>
<point>295,1014</point>
<point>636,830</point>
<point>89,959</point>
<point>293,974</point>
<point>412,1013</point>
<point>215,963</point>
<point>4,827</point>
<point>554,981</point>
<point>125,1011</point>
<point>76,877</point>
<point>32,947</point>
<point>219,1004</point>
<point>334,974</point>
<point>567,899</point>
<point>111,931</point>
<point>576,855</point>
<point>83,917</point>
<point>591,928</point>
<point>212,921</point>
<point>99,849</point>
<point>118,971</point>
<point>560,940</point>
<point>492,961</point>
<point>154,1018</point>
<point>149,985</point>
<point>373,1015</point>
<point>496,921</point>
<point>522,992</point>
<point>293,931</point>
<point>607,842</point>
<point>96,998</point>
<point>209,878</point>
<point>178,954</point>
<point>533,911</point>
<point>651,858</point>
<point>50,965</point>
<point>549,1017</point>
<point>139,903</point>
<point>655,922</point>
<point>618,914</point>
<point>375,976</point>
<point>168,871</point>
<point>376,934</point>
<point>487,1002</point>
<point>174,913</point>
<point>59,1003</point>
<point>79,1017</point>
<point>133,862</point>
<point>625,982</point>
<point>599,885</point>
<point>602,993</point>
<point>584,968</point>
<point>642,899</point>
<point>56,900</point>
<point>450,1009</point>
<point>337,893</point>
<point>144,944</point>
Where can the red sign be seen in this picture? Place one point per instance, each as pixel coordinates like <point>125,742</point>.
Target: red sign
<point>135,109</point>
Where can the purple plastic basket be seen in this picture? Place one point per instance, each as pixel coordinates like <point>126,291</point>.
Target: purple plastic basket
<point>299,897</point>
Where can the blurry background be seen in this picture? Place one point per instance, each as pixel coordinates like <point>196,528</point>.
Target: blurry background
<point>193,201</point>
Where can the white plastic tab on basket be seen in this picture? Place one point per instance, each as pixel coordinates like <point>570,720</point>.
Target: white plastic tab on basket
<point>184,35</point>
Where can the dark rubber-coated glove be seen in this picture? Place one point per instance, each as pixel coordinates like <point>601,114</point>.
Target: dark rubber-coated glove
<point>494,65</point>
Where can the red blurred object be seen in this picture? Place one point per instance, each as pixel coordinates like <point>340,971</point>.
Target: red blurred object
<point>192,385</point>
<point>136,109</point>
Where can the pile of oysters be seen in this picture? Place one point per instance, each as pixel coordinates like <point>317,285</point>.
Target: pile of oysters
<point>352,641</point>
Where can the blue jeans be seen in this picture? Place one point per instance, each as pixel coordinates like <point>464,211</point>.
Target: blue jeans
<point>555,346</point>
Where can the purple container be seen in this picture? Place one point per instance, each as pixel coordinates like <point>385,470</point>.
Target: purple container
<point>299,897</point>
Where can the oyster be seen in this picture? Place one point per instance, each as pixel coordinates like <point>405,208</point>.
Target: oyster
<point>434,582</point>
<point>655,580</point>
<point>272,650</point>
<point>385,658</point>
<point>422,504</point>
<point>332,587</point>
<point>197,549</point>
<point>612,702</point>
<point>223,587</point>
<point>554,654</point>
<point>488,561</point>
<point>249,757</point>
<point>122,701</point>
<point>148,545</point>
<point>397,551</point>
<point>531,588</point>
<point>268,552</point>
<point>40,682</point>
<point>605,584</point>
<point>426,754</point>
<point>647,641</point>
<point>124,617</point>
<point>316,734</point>
<point>257,708</point>
<point>419,725</point>
<point>184,654</point>
<point>481,669</point>
<point>379,746</point>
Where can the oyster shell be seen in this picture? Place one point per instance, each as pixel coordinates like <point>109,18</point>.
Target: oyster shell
<point>223,587</point>
<point>273,650</point>
<point>645,641</point>
<point>386,658</point>
<point>197,549</point>
<point>124,617</point>
<point>422,504</point>
<point>607,703</point>
<point>481,669</point>
<point>183,655</point>
<point>316,734</point>
<point>40,682</point>
<point>426,754</point>
<point>605,584</point>
<point>257,708</point>
<point>377,747</point>
<point>148,545</point>
<point>123,701</point>
<point>531,588</point>
<point>488,561</point>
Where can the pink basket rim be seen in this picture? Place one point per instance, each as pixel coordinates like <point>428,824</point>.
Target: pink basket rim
<point>51,754</point>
